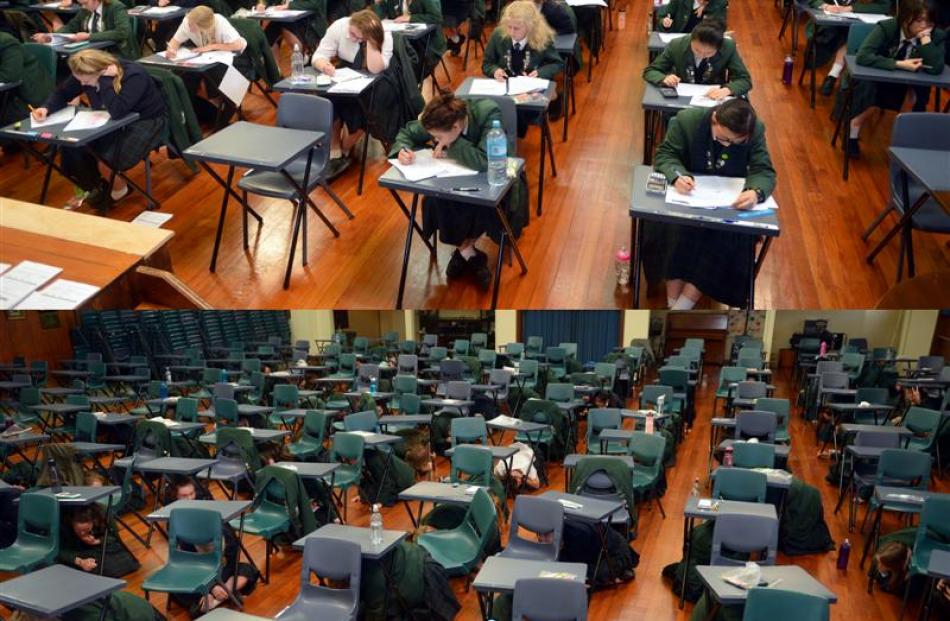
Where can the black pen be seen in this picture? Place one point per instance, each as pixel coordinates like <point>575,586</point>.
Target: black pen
<point>465,189</point>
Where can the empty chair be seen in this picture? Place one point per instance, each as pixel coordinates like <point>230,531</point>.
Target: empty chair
<point>437,354</point>
<point>430,340</point>
<point>747,392</point>
<point>933,533</point>
<point>367,375</point>
<point>461,347</point>
<point>544,518</point>
<point>744,534</point>
<point>451,371</point>
<point>929,365</point>
<point>407,364</point>
<point>925,424</point>
<point>479,341</point>
<point>895,468</point>
<point>780,407</point>
<point>549,599</point>
<point>407,347</point>
<point>501,380</point>
<point>223,390</point>
<point>756,424</point>
<point>853,365</point>
<point>361,421</point>
<point>460,549</point>
<point>647,450</point>
<point>533,347</point>
<point>515,351</point>
<point>873,395</point>
<point>347,450</point>
<point>570,349</point>
<point>557,361</point>
<point>310,443</point>
<point>361,345</point>
<point>771,604</point>
<point>599,419</point>
<point>740,484</point>
<point>487,358</point>
<point>37,540</point>
<point>328,560</point>
<point>468,430</point>
<point>753,455</point>
<point>607,374</point>
<point>457,390</point>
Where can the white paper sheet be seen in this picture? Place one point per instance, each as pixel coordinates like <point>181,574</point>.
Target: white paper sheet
<point>182,54</point>
<point>586,3</point>
<point>523,84</point>
<point>60,116</point>
<point>22,280</point>
<point>351,86</point>
<point>426,166</point>
<point>218,56</point>
<point>684,89</point>
<point>13,292</point>
<point>282,13</point>
<point>701,101</point>
<point>871,18</point>
<point>345,74</point>
<point>489,87</point>
<point>60,39</point>
<point>4,267</point>
<point>87,119</point>
<point>62,294</point>
<point>710,192</point>
<point>154,219</point>
<point>161,10</point>
<point>666,37</point>
<point>234,85</point>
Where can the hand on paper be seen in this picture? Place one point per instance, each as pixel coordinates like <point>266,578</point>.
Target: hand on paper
<point>40,114</point>
<point>671,80</point>
<point>500,74</point>
<point>684,184</point>
<point>718,92</point>
<point>406,157</point>
<point>746,200</point>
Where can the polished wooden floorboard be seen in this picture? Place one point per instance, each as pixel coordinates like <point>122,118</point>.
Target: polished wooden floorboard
<point>659,542</point>
<point>818,262</point>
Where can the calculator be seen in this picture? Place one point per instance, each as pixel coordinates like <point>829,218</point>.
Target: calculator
<point>656,184</point>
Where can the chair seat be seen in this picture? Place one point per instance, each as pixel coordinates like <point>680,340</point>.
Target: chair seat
<point>612,447</point>
<point>276,184</point>
<point>346,475</point>
<point>264,523</point>
<point>919,444</point>
<point>181,578</point>
<point>304,447</point>
<point>545,437</point>
<point>920,559</point>
<point>524,550</point>
<point>23,557</point>
<point>455,550</point>
<point>642,479</point>
<point>330,606</point>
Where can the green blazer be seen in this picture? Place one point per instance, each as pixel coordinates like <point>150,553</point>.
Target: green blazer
<point>881,45</point>
<point>678,59</point>
<point>470,149</point>
<point>680,10</point>
<point>420,12</point>
<point>686,143</point>
<point>547,62</point>
<point>860,6</point>
<point>18,65</point>
<point>117,28</point>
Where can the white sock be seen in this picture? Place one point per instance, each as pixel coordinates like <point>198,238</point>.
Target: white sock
<point>854,132</point>
<point>454,38</point>
<point>670,302</point>
<point>117,194</point>
<point>468,252</point>
<point>683,303</point>
<point>836,70</point>
<point>335,153</point>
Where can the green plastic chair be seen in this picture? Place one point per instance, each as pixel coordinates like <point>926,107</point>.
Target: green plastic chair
<point>530,369</point>
<point>267,519</point>
<point>515,351</point>
<point>186,410</point>
<point>607,374</point>
<point>226,412</point>
<point>285,397</point>
<point>468,430</point>
<point>533,346</point>
<point>647,451</point>
<point>853,365</point>
<point>780,407</point>
<point>407,347</point>
<point>312,434</point>
<point>479,340</point>
<point>249,366</point>
<point>40,372</point>
<point>361,345</point>
<point>87,427</point>
<point>727,377</point>
<point>460,549</point>
<point>599,419</point>
<point>753,455</point>
<point>461,347</point>
<point>874,395</point>
<point>557,361</point>
<point>23,415</point>
<point>185,572</point>
<point>471,464</point>
<point>347,367</point>
<point>209,377</point>
<point>778,605</point>
<point>44,55</point>
<point>37,541</point>
<point>256,396</point>
<point>487,358</point>
<point>740,484</point>
<point>924,423</point>
<point>95,382</point>
<point>361,421</point>
<point>933,533</point>
<point>348,452</point>
<point>152,392</point>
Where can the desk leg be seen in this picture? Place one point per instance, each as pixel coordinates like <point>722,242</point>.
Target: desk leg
<point>846,121</point>
<point>636,235</point>
<point>224,211</point>
<point>687,545</point>
<point>544,138</point>
<point>511,239</point>
<point>873,535</point>
<point>359,184</point>
<point>496,281</point>
<point>899,227</point>
<point>105,607</point>
<point>750,300</point>
<point>568,94</point>
<point>105,536</point>
<point>844,488</point>
<point>408,247</point>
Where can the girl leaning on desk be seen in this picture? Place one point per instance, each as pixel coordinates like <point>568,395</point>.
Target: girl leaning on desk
<point>706,56</point>
<point>119,87</point>
<point>458,129</point>
<point>727,141</point>
<point>100,20</point>
<point>684,15</point>
<point>906,43</point>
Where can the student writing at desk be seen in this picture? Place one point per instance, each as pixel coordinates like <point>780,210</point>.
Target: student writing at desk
<point>706,56</point>
<point>100,20</point>
<point>684,15</point>
<point>458,130</point>
<point>832,42</point>
<point>306,32</point>
<point>358,42</point>
<point>907,43</point>
<point>417,12</point>
<point>163,30</point>
<point>16,65</point>
<point>119,87</point>
<point>727,141</point>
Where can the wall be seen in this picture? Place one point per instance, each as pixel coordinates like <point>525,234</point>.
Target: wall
<point>506,327</point>
<point>311,324</point>
<point>916,332</point>
<point>27,337</point>
<point>880,328</point>
<point>636,325</point>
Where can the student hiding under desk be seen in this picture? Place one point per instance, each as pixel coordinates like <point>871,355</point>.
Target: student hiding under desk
<point>684,15</point>
<point>727,141</point>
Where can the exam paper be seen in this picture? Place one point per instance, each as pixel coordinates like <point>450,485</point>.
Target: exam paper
<point>4,267</point>
<point>61,295</point>
<point>182,54</point>
<point>523,84</point>
<point>587,3</point>
<point>154,219</point>
<point>701,101</point>
<point>60,116</point>
<point>161,10</point>
<point>217,56</point>
<point>344,74</point>
<point>489,87</point>
<point>713,192</point>
<point>871,18</point>
<point>666,37</point>
<point>234,85</point>
<point>426,166</point>
<point>351,86</point>
<point>59,39</point>
<point>685,89</point>
<point>391,26</point>
<point>22,280</point>
<point>282,13</point>
<point>87,119</point>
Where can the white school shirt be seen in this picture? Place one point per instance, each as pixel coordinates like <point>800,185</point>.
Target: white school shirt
<point>99,25</point>
<point>223,32</point>
<point>336,44</point>
<point>520,44</point>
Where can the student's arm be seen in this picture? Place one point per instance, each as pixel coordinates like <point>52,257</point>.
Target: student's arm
<point>550,64</point>
<point>327,50</point>
<point>761,174</point>
<point>469,154</point>
<point>662,66</point>
<point>872,7</point>
<point>740,81</point>
<point>411,137</point>
<point>934,53</point>
<point>231,39</point>
<point>70,89</point>
<point>378,59</point>
<point>134,89</point>
<point>492,57</point>
<point>667,16</point>
<point>429,12</point>
<point>119,33</point>
<point>75,24</point>
<point>672,152</point>
<point>869,54</point>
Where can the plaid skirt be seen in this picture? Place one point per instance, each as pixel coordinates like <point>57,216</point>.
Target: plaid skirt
<point>133,142</point>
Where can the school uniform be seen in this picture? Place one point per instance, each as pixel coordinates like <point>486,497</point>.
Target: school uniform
<point>109,22</point>
<point>226,572</point>
<point>724,68</point>
<point>558,16</point>
<point>36,82</point>
<point>718,263</point>
<point>456,222</point>
<point>829,40</point>
<point>309,30</point>
<point>162,31</point>
<point>420,12</point>
<point>337,45</point>
<point>139,93</point>
<point>683,14</point>
<point>119,560</point>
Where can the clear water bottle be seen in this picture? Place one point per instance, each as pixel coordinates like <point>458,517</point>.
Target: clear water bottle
<point>376,526</point>
<point>695,491</point>
<point>55,481</point>
<point>296,64</point>
<point>497,155</point>
<point>660,403</point>
<point>168,375</point>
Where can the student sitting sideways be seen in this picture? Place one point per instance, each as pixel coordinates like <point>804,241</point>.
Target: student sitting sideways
<point>100,20</point>
<point>908,43</point>
<point>706,56</point>
<point>81,544</point>
<point>684,15</point>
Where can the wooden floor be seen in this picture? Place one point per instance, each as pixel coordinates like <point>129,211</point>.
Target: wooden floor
<point>659,542</point>
<point>818,262</point>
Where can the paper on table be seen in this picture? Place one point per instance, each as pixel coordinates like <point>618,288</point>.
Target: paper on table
<point>61,295</point>
<point>485,86</point>
<point>586,2</point>
<point>234,85</point>
<point>426,166</point>
<point>870,18</point>
<point>154,219</point>
<point>182,54</point>
<point>343,74</point>
<point>506,420</point>
<point>218,56</point>
<point>701,101</point>
<point>4,267</point>
<point>282,12</point>
<point>684,89</point>
<point>523,84</point>
<point>59,39</point>
<point>19,282</point>
<point>710,192</point>
<point>60,116</point>
<point>161,10</point>
<point>391,26</point>
<point>87,119</point>
<point>13,291</point>
<point>351,86</point>
<point>666,37</point>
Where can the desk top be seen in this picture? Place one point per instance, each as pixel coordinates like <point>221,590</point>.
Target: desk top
<point>571,460</point>
<point>654,208</point>
<point>405,419</point>
<point>55,590</point>
<point>6,86</point>
<point>287,85</point>
<point>185,66</point>
<point>532,104</point>
<point>497,452</point>
<point>929,167</point>
<point>442,187</point>
<point>731,507</point>
<point>80,494</point>
<point>564,43</point>
<point>438,492</point>
<point>283,17</point>
<point>356,534</point>
<point>250,145</point>
<point>176,465</point>
<point>227,509</point>
<point>590,509</point>
<point>53,6</point>
<point>498,574</point>
<point>653,100</point>
<point>412,31</point>
<point>919,78</point>
<point>226,614</point>
<point>793,577</point>
<point>259,435</point>
<point>165,14</point>
<point>57,134</point>
<point>309,470</point>
<point>939,566</point>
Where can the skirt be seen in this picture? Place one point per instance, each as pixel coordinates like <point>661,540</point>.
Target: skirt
<point>455,222</point>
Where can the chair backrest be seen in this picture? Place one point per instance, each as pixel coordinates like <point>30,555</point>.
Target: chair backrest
<point>467,430</point>
<point>934,520</point>
<point>857,33</point>
<point>852,362</point>
<point>904,468</point>
<point>186,409</point>
<point>740,484</point>
<point>333,560</point>
<point>780,407</point>
<point>529,367</point>
<point>482,515</point>
<point>225,411</point>
<point>883,439</point>
<point>502,378</point>
<point>410,403</point>
<point>436,353</point>
<point>744,533</point>
<point>347,447</point>
<point>647,450</point>
<point>458,390</point>
<point>509,118</point>
<point>195,527</point>
<point>250,365</point>
<point>829,366</point>
<point>315,426</point>
<point>545,519</point>
<point>479,340</point>
<point>514,350</point>
<point>556,356</point>
<point>223,390</point>
<point>451,370</point>
<point>834,380</point>
<point>751,390</point>
<point>430,340</point>
<point>361,421</point>
<point>347,363</point>
<point>599,419</point>
<point>731,375</point>
<point>306,111</point>
<point>923,422</point>
<point>211,376</point>
<point>676,378</point>
<point>405,384</point>
<point>549,599</point>
<point>367,374</point>
<point>487,358</point>
<point>607,372</point>
<point>534,344</point>
<point>652,392</point>
<point>285,396</point>
<point>472,461</point>
<point>753,455</point>
<point>570,349</point>
<point>361,344</point>
<point>86,427</point>
<point>874,395</point>
<point>461,347</point>
<point>770,604</point>
<point>407,364</point>
<point>930,365</point>
<point>756,424</point>
<point>407,347</point>
<point>559,391</point>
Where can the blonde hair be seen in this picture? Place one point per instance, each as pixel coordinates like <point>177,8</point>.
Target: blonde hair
<point>93,62</point>
<point>202,18</point>
<point>540,34</point>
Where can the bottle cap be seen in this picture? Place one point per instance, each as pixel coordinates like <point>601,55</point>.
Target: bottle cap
<point>623,254</point>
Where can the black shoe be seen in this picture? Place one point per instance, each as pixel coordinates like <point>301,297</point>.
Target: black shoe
<point>456,46</point>
<point>336,167</point>
<point>828,86</point>
<point>479,268</point>
<point>457,267</point>
<point>854,150</point>
<point>99,198</point>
